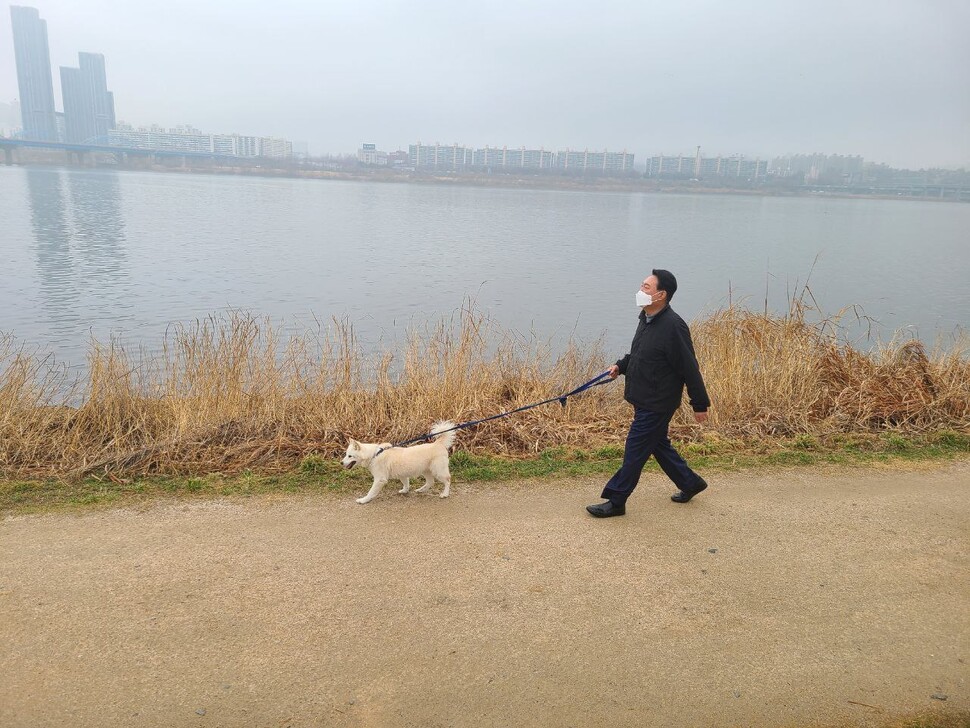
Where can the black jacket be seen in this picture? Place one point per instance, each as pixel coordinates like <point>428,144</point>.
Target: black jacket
<point>660,362</point>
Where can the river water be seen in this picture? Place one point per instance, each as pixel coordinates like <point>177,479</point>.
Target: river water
<point>125,254</point>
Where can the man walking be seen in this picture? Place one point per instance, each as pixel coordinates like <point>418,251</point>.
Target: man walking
<point>661,361</point>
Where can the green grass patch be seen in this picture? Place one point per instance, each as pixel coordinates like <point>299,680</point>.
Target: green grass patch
<point>791,457</point>
<point>314,465</point>
<point>316,474</point>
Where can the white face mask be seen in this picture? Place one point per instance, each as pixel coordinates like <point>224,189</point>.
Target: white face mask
<point>643,299</point>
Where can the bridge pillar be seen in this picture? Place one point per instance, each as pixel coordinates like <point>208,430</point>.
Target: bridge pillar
<point>7,155</point>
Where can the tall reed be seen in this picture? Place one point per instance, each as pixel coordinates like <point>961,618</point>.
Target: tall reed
<point>229,393</point>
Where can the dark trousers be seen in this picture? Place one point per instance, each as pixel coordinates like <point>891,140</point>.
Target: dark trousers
<point>648,436</point>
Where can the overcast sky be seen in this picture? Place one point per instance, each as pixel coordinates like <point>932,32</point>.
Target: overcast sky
<point>887,79</point>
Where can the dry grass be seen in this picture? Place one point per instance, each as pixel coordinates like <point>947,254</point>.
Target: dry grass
<point>771,375</point>
<point>227,394</point>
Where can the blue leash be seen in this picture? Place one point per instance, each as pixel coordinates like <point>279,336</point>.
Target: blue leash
<point>594,382</point>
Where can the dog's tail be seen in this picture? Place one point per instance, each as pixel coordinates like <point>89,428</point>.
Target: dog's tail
<point>447,438</point>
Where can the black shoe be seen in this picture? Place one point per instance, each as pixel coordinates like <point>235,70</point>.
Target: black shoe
<point>606,510</point>
<point>682,496</point>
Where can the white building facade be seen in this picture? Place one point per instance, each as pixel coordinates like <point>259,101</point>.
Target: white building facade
<point>193,141</point>
<point>457,157</point>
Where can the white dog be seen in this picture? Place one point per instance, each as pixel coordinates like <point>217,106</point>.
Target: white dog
<point>403,463</point>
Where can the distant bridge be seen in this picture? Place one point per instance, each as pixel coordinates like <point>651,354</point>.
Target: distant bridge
<point>898,189</point>
<point>99,145</point>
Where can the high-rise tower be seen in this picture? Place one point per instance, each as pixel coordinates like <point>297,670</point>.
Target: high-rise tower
<point>34,74</point>
<point>89,109</point>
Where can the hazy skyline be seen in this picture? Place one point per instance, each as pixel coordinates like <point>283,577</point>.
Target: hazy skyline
<point>883,79</point>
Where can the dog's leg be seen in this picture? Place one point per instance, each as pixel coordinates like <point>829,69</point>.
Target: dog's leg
<point>428,482</point>
<point>407,485</point>
<point>441,472</point>
<point>374,490</point>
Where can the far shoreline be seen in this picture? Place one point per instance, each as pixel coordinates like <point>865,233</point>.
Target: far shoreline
<point>492,181</point>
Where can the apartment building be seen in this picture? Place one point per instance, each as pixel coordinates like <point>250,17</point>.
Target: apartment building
<point>457,157</point>
<point>194,141</point>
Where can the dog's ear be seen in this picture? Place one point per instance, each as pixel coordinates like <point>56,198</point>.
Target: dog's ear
<point>353,445</point>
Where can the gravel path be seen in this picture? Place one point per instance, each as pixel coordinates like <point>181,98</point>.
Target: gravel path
<point>782,598</point>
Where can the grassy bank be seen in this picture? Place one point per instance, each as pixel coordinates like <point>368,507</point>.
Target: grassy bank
<point>235,395</point>
<point>316,474</point>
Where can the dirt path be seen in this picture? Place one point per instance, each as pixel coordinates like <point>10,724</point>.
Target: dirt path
<point>791,598</point>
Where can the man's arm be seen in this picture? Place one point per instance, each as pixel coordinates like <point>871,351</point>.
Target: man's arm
<point>699,401</point>
<point>619,367</point>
